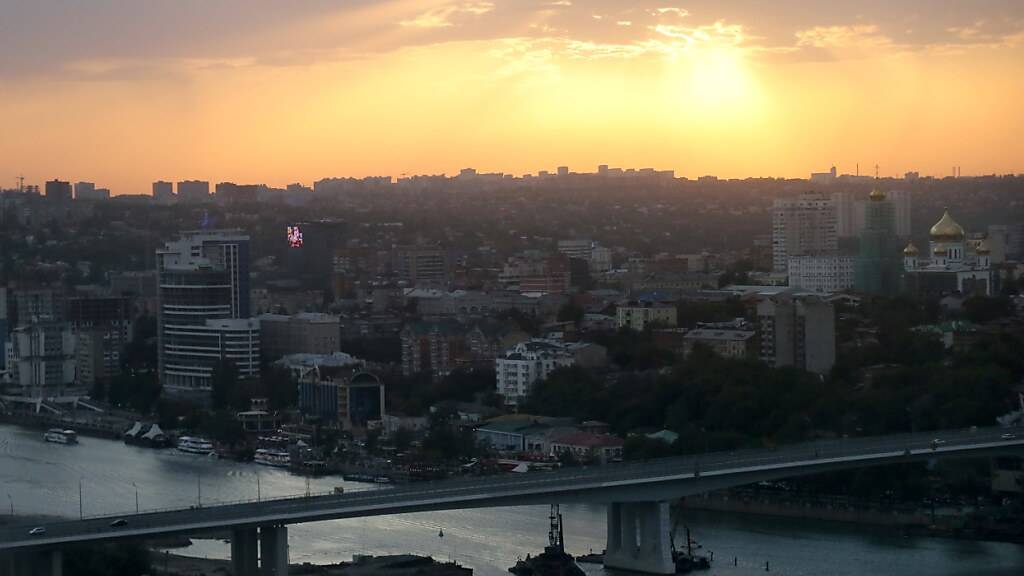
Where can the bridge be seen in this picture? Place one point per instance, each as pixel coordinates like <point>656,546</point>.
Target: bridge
<point>637,495</point>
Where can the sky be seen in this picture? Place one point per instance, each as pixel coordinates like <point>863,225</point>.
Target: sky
<point>125,92</point>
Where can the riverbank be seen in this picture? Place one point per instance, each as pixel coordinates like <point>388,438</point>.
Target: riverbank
<point>168,564</point>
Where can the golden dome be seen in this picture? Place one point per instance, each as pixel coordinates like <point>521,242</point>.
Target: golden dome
<point>939,251</point>
<point>910,250</point>
<point>946,229</point>
<point>876,195</point>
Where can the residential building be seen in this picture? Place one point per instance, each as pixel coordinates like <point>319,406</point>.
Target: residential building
<point>41,358</point>
<point>102,326</point>
<point>58,191</point>
<point>901,208</point>
<point>827,274</point>
<point>303,333</point>
<point>421,264</point>
<point>535,273</point>
<point>952,264</point>
<point>802,226</point>
<point>529,362</point>
<point>163,192</point>
<point>797,331</point>
<point>193,191</point>
<point>587,446</point>
<point>724,342</point>
<point>638,315</point>
<point>203,282</point>
<point>84,190</point>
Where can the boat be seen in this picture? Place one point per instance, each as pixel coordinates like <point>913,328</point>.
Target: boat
<point>195,445</point>
<point>271,457</point>
<point>687,561</point>
<point>553,561</point>
<point>382,480</point>
<point>61,436</point>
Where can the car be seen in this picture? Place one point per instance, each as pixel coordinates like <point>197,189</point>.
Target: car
<point>1008,436</point>
<point>937,442</point>
<point>37,531</point>
<point>119,523</point>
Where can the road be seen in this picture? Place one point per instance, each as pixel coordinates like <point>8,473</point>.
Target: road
<point>653,480</point>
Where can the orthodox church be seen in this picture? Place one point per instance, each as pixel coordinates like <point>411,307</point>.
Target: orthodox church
<point>952,263</point>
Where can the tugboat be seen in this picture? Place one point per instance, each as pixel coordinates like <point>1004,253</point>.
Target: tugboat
<point>553,561</point>
<point>687,561</point>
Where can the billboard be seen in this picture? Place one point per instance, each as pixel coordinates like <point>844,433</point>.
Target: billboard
<point>295,236</point>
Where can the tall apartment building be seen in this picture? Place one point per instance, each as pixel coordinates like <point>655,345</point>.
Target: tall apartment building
<point>193,191</point>
<point>900,200</point>
<point>163,192</point>
<point>418,264</point>
<point>58,190</point>
<point>41,358</point>
<point>803,226</point>
<point>797,331</point>
<point>203,289</point>
<point>84,190</point>
<point>102,327</point>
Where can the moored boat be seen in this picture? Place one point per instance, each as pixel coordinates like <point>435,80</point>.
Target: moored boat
<point>61,436</point>
<point>195,445</point>
<point>271,457</point>
<point>554,561</point>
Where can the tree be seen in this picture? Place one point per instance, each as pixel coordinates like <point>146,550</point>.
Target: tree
<point>570,312</point>
<point>224,383</point>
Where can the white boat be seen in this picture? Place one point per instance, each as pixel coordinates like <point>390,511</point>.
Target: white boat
<point>60,436</point>
<point>270,457</point>
<point>195,445</point>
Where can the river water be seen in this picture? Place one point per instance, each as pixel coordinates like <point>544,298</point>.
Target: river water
<point>42,478</point>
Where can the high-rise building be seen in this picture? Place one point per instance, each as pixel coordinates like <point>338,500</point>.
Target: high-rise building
<point>102,327</point>
<point>802,226</point>
<point>877,270</point>
<point>797,331</point>
<point>163,192</point>
<point>193,191</point>
<point>58,190</point>
<point>203,281</point>
<point>41,358</point>
<point>900,200</point>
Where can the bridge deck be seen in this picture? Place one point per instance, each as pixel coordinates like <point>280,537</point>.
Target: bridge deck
<point>652,480</point>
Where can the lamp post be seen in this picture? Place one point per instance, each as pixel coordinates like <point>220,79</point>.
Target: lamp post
<point>199,491</point>
<point>81,514</point>
<point>136,497</point>
<point>11,500</point>
<point>258,494</point>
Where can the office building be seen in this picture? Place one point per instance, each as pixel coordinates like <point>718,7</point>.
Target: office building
<point>797,331</point>
<point>193,191</point>
<point>303,333</point>
<point>203,294</point>
<point>346,396</point>
<point>877,268</point>
<point>802,226</point>
<point>952,263</point>
<point>826,274</point>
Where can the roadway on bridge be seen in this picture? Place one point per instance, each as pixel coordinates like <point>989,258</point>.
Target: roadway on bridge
<point>595,483</point>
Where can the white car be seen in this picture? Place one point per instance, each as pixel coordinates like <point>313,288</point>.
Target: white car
<point>37,531</point>
<point>1008,436</point>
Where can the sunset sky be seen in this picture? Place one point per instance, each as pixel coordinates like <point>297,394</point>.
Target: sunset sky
<point>124,92</point>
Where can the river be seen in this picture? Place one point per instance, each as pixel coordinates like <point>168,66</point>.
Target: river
<point>42,478</point>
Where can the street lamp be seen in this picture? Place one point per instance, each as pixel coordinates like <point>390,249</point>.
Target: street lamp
<point>199,491</point>
<point>258,494</point>
<point>81,515</point>
<point>11,500</point>
<point>136,497</point>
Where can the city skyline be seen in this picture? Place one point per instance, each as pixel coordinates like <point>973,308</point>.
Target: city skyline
<point>123,95</point>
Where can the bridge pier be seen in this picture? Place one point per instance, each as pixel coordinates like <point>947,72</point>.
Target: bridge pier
<point>245,552</point>
<point>638,537</point>
<point>32,563</point>
<point>273,550</point>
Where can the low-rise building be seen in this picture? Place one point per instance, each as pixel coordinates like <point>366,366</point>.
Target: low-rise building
<point>728,343</point>
<point>639,315</point>
<point>303,333</point>
<point>587,446</point>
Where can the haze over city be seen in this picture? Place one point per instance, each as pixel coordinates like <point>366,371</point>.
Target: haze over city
<point>124,93</point>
